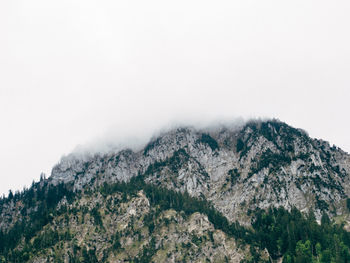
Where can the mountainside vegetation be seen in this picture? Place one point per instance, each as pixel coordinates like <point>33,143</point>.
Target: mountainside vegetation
<point>45,232</point>
<point>265,192</point>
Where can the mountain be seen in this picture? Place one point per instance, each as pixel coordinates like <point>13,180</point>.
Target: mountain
<point>263,191</point>
<point>261,164</point>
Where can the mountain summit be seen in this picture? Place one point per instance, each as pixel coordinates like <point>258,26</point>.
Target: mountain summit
<point>262,164</point>
<point>189,195</point>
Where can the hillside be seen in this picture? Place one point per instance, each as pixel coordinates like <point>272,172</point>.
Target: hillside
<point>238,169</point>
<point>245,194</point>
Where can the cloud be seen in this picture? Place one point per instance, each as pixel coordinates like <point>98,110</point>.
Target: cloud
<point>71,71</point>
<point>136,136</point>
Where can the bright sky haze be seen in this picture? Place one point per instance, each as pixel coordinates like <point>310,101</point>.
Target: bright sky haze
<point>77,71</point>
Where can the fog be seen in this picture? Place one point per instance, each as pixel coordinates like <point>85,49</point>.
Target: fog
<point>117,139</point>
<point>101,73</point>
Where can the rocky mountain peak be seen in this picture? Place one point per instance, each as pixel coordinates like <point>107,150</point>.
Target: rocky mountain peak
<point>219,194</point>
<point>259,164</point>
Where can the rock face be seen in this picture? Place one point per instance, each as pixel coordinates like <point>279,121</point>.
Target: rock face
<point>257,165</point>
<point>161,203</point>
<point>122,233</point>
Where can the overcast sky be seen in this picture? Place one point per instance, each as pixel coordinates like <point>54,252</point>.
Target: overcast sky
<point>75,71</point>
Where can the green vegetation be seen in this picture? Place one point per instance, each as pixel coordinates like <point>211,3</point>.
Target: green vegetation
<point>299,238</point>
<point>174,163</point>
<point>207,139</point>
<point>234,175</point>
<point>271,130</point>
<point>348,203</point>
<point>239,145</point>
<point>272,160</point>
<point>39,208</point>
<point>168,199</point>
<point>151,145</point>
<point>295,237</point>
<point>290,234</point>
<point>97,216</point>
<point>35,225</point>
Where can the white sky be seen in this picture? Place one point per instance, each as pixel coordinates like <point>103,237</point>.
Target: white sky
<point>72,71</point>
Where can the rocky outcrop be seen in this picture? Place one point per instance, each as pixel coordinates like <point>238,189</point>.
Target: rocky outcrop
<point>261,164</point>
<point>125,234</point>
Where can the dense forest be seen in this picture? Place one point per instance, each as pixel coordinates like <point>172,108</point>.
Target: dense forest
<point>292,235</point>
<point>299,238</point>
